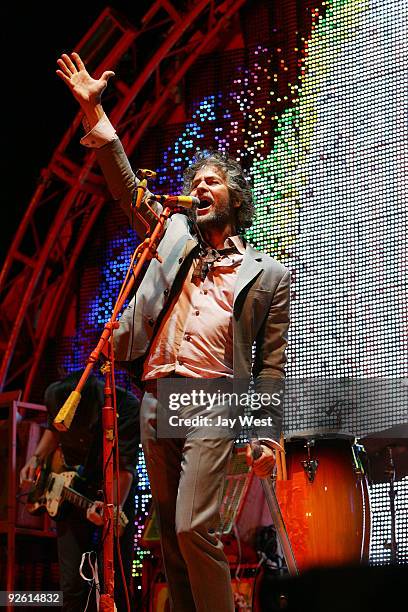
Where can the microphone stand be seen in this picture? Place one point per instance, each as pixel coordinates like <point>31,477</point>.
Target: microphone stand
<point>275,511</point>
<point>145,251</point>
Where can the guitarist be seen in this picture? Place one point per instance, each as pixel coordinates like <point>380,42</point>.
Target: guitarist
<point>81,445</point>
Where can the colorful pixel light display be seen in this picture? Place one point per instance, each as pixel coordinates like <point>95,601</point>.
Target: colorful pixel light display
<point>326,155</point>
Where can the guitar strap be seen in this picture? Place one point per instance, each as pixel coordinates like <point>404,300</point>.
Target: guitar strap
<point>94,581</point>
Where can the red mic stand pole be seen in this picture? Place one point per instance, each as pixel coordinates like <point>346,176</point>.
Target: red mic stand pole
<point>62,422</point>
<point>144,252</point>
<point>106,602</point>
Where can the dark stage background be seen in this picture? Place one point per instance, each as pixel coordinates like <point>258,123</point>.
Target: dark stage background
<point>37,109</point>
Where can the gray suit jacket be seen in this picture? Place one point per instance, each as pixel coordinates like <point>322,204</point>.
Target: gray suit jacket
<point>261,299</point>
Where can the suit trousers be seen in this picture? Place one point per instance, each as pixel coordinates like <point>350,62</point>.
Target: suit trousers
<point>187,480</point>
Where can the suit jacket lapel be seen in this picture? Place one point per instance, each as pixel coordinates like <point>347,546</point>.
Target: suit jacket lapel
<point>250,268</point>
<point>191,240</point>
<point>190,244</point>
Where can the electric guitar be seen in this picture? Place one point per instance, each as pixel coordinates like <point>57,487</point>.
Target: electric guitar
<point>54,486</point>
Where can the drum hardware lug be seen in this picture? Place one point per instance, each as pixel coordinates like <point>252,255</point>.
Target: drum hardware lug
<point>310,465</point>
<point>357,450</point>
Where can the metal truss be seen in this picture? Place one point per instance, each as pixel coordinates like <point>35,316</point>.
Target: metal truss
<point>150,61</point>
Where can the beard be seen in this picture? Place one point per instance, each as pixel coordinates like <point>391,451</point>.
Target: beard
<point>216,218</point>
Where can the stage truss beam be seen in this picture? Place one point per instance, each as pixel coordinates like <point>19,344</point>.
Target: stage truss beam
<point>71,193</point>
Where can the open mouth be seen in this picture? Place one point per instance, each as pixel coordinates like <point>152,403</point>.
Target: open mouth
<point>204,206</point>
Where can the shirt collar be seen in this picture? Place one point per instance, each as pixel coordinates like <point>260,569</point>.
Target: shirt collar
<point>235,241</point>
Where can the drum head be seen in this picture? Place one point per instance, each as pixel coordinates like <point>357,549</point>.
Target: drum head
<point>320,434</point>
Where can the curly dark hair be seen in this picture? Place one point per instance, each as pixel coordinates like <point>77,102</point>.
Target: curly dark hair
<point>238,185</point>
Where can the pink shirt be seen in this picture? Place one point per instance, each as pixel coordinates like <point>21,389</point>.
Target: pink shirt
<point>195,337</point>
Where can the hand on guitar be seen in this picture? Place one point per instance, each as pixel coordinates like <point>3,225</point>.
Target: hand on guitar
<point>48,443</point>
<point>95,515</point>
<point>27,473</point>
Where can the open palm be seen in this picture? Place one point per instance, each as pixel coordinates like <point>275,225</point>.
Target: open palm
<point>84,88</point>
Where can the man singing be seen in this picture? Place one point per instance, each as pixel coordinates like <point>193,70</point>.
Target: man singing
<point>197,315</point>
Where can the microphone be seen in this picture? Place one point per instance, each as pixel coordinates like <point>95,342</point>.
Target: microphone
<point>176,200</point>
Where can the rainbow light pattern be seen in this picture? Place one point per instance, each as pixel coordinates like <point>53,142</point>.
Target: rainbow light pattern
<point>325,154</point>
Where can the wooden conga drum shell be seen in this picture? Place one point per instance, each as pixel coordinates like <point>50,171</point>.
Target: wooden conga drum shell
<point>327,519</point>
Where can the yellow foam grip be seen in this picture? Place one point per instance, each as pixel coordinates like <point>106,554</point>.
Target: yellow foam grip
<point>63,420</point>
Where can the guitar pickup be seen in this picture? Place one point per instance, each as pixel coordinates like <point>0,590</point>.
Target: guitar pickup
<point>50,484</point>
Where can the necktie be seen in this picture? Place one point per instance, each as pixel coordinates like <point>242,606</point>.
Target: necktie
<point>207,258</point>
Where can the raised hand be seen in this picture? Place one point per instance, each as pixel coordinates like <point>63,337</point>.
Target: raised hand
<point>86,90</point>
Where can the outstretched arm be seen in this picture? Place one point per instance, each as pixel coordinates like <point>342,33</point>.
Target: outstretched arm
<point>111,156</point>
<point>86,90</point>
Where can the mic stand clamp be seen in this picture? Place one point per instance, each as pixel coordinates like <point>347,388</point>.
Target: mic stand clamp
<point>390,472</point>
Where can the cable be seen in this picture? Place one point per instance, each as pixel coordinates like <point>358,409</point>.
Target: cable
<point>115,424</point>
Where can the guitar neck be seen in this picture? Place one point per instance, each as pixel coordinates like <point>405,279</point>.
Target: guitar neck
<point>76,499</point>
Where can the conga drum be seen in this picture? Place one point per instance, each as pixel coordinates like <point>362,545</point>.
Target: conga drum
<point>325,500</point>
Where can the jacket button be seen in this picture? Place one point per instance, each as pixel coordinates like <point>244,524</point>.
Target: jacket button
<point>151,322</point>
<point>180,260</point>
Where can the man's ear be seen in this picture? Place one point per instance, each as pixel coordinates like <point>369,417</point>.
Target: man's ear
<point>237,204</point>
